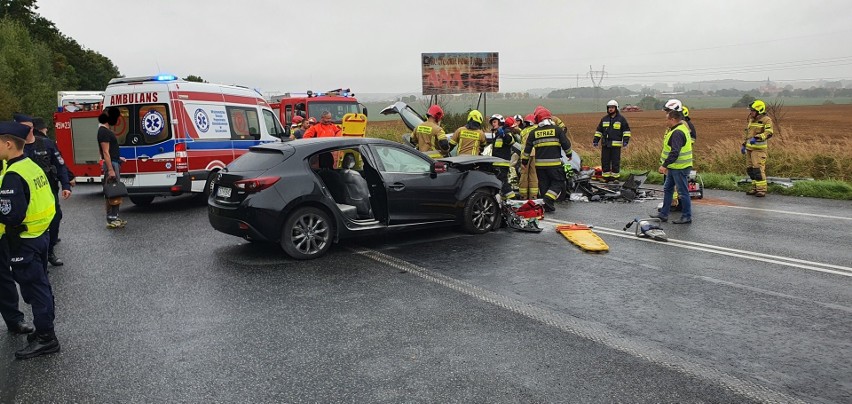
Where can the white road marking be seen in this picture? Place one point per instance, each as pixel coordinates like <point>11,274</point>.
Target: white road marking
<point>732,252</point>
<point>786,212</point>
<point>590,330</point>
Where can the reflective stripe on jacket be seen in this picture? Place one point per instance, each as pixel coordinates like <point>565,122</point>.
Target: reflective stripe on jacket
<point>759,128</point>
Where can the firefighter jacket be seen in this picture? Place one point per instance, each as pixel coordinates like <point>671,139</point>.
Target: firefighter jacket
<point>548,141</point>
<point>677,148</point>
<point>613,131</point>
<point>759,129</point>
<point>502,146</point>
<point>470,141</point>
<point>427,137</point>
<point>322,130</point>
<point>692,133</point>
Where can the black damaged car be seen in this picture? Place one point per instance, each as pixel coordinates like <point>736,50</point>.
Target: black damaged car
<point>307,194</point>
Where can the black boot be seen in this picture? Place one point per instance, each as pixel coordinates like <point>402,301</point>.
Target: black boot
<point>54,260</point>
<point>38,345</point>
<point>20,328</point>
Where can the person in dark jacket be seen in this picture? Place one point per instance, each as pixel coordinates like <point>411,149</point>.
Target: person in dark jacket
<point>614,132</point>
<point>549,141</point>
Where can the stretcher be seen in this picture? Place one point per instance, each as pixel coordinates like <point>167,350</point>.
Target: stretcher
<point>582,236</point>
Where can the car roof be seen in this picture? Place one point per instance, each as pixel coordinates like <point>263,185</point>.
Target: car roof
<point>310,146</point>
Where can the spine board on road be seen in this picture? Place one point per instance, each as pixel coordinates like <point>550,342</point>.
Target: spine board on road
<point>582,236</point>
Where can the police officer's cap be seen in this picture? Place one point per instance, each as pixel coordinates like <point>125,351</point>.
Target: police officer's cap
<point>20,118</point>
<point>14,129</point>
<point>38,123</point>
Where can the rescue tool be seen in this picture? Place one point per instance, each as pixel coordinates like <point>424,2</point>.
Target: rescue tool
<point>582,236</point>
<point>523,215</point>
<point>648,228</point>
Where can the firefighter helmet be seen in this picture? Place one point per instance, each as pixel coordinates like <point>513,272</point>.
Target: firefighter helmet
<point>498,117</point>
<point>541,114</point>
<point>510,121</point>
<point>612,103</point>
<point>518,118</point>
<point>436,112</point>
<point>685,111</point>
<point>673,104</point>
<point>529,119</point>
<point>475,116</point>
<point>758,106</point>
<point>298,119</point>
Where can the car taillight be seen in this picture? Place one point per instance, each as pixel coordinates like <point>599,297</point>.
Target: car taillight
<point>255,184</point>
<point>181,158</point>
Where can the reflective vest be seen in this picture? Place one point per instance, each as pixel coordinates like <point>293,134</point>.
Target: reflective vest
<point>470,141</point>
<point>684,159</point>
<point>42,203</point>
<point>427,141</point>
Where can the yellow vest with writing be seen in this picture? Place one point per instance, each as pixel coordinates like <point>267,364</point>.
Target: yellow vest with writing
<point>42,204</point>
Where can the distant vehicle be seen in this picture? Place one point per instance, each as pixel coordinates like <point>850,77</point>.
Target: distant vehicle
<point>307,194</point>
<point>76,101</point>
<point>174,134</point>
<point>311,105</point>
<point>631,108</point>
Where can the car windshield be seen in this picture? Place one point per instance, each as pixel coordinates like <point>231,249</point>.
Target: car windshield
<point>337,109</point>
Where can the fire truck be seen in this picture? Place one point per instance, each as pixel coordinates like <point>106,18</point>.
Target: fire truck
<point>311,105</point>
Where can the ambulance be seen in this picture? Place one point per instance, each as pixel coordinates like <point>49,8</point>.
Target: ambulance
<point>174,135</point>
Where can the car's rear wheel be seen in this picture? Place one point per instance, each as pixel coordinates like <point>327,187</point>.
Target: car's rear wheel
<point>481,213</point>
<point>307,234</point>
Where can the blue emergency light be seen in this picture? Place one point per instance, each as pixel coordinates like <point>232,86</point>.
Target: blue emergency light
<point>165,77</point>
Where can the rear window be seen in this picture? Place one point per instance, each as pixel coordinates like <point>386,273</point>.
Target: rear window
<point>257,160</point>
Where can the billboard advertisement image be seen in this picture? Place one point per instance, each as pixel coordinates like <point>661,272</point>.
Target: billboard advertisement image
<point>456,73</point>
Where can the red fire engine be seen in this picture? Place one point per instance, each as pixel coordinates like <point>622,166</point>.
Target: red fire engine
<point>311,105</point>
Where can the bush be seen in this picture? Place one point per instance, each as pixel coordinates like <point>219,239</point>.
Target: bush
<point>743,102</point>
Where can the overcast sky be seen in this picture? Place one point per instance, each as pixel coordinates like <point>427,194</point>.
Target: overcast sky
<point>375,46</point>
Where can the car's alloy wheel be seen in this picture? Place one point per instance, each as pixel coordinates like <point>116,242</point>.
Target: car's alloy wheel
<point>480,213</point>
<point>306,234</point>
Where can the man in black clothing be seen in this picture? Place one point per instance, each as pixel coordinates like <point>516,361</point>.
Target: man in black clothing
<point>614,132</point>
<point>549,141</point>
<point>43,151</point>
<point>108,146</point>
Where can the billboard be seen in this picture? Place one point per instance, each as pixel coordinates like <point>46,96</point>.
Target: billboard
<point>455,73</point>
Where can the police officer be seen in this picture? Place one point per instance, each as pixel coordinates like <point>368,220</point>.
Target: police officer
<point>43,151</point>
<point>429,137</point>
<point>27,207</point>
<point>614,132</point>
<point>549,141</point>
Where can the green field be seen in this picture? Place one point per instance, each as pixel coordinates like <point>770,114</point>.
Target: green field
<point>571,106</point>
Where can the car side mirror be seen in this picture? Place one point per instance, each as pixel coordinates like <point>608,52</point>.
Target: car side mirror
<point>438,167</point>
<point>364,111</point>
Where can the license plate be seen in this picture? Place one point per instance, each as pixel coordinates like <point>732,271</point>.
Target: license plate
<point>128,181</point>
<point>223,192</point>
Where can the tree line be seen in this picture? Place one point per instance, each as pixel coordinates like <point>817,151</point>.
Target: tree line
<point>36,61</point>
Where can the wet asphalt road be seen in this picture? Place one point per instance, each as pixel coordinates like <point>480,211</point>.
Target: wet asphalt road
<point>170,310</point>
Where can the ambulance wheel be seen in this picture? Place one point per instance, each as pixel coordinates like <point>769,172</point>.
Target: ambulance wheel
<point>307,233</point>
<point>141,200</point>
<point>481,213</point>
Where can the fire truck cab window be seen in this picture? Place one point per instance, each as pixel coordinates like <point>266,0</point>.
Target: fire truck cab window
<point>337,109</point>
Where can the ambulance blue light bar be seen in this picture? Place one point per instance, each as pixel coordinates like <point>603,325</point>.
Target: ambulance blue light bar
<point>142,79</point>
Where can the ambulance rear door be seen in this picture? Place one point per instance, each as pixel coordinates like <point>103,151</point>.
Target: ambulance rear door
<point>77,140</point>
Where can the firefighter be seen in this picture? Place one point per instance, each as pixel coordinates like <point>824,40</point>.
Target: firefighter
<point>502,148</point>
<point>470,138</point>
<point>688,120</point>
<point>675,164</point>
<point>496,121</point>
<point>27,207</point>
<point>43,151</point>
<point>548,141</point>
<point>614,132</point>
<point>299,127</point>
<point>758,133</point>
<point>325,128</point>
<point>429,137</point>
<point>528,182</point>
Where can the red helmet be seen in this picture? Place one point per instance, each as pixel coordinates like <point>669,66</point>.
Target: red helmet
<point>530,118</point>
<point>298,119</point>
<point>436,112</point>
<point>312,120</point>
<point>542,113</point>
<point>510,121</point>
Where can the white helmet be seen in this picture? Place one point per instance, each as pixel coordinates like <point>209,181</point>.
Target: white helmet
<point>612,103</point>
<point>673,104</point>
<point>498,117</point>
